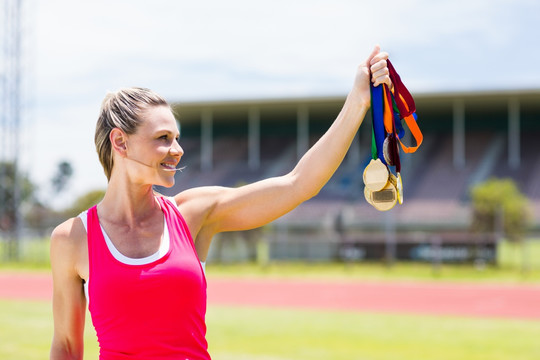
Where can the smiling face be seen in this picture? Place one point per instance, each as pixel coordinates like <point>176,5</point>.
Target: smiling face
<point>154,148</point>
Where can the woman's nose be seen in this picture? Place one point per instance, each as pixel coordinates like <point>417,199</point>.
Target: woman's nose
<point>176,149</point>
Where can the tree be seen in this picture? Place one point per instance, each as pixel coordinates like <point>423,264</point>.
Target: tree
<point>62,176</point>
<point>499,200</point>
<point>39,216</point>
<point>84,202</point>
<point>9,203</point>
<point>16,191</point>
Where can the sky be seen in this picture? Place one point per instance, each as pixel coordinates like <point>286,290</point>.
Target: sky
<point>75,51</point>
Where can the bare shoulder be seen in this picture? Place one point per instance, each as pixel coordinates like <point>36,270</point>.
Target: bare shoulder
<point>197,193</point>
<point>69,246</point>
<point>195,204</point>
<point>69,232</point>
<point>199,200</point>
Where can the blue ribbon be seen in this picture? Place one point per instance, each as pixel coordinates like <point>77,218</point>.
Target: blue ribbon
<point>379,133</point>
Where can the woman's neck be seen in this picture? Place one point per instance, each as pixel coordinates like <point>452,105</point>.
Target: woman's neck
<point>128,204</point>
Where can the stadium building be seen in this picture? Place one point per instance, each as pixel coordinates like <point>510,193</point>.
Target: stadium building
<point>469,137</point>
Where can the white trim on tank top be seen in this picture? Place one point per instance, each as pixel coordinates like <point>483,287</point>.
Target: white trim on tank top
<point>163,246</point>
<point>162,251</point>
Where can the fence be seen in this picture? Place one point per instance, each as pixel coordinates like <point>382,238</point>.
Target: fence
<point>283,244</point>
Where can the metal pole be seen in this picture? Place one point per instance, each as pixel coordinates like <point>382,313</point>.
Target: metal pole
<point>513,133</point>
<point>436,253</point>
<point>459,133</point>
<point>254,138</point>
<point>206,140</point>
<point>390,237</point>
<point>16,128</point>
<point>302,131</point>
<point>10,125</point>
<point>3,115</point>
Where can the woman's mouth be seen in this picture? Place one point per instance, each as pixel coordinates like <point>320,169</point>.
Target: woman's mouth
<point>169,167</point>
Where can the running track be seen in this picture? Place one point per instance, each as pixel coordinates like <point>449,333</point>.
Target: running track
<point>479,300</point>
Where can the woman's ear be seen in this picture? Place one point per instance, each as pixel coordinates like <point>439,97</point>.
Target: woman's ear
<point>118,141</point>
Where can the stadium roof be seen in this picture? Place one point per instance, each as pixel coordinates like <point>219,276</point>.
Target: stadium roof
<point>190,111</point>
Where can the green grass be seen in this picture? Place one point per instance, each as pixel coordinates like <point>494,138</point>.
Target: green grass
<point>250,333</point>
<point>33,255</point>
<point>26,329</point>
<point>514,265</point>
<point>520,256</point>
<point>376,271</point>
<point>278,334</point>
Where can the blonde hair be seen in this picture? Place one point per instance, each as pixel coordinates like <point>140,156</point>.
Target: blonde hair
<point>121,109</point>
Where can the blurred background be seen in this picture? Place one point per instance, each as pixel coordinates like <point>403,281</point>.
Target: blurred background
<point>254,84</point>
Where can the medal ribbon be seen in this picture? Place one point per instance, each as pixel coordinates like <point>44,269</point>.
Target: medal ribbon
<point>389,124</point>
<point>385,120</point>
<point>378,133</point>
<point>406,108</point>
<point>387,111</point>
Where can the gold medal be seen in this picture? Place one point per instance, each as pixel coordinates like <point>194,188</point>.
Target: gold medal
<point>375,175</point>
<point>399,188</point>
<point>384,199</point>
<point>382,189</point>
<point>367,195</point>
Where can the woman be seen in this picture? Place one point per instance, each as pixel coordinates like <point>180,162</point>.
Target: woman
<point>139,257</point>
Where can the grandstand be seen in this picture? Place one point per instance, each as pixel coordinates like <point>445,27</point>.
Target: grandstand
<point>468,137</point>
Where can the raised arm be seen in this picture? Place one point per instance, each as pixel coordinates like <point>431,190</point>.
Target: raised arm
<point>69,302</point>
<point>211,210</point>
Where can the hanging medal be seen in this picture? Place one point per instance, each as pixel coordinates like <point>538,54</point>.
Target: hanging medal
<point>383,189</point>
<point>380,184</point>
<point>390,147</point>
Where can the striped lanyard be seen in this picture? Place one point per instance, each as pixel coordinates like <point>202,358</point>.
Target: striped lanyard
<point>388,109</point>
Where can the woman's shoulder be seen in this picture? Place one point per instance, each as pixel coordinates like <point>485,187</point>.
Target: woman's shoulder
<point>69,253</point>
<point>68,236</point>
<point>197,194</point>
<point>69,228</point>
<point>194,204</point>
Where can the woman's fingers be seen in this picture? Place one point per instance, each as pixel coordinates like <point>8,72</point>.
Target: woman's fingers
<point>373,55</point>
<point>379,70</point>
<point>382,55</point>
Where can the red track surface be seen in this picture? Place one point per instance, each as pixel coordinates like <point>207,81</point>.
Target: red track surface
<point>508,301</point>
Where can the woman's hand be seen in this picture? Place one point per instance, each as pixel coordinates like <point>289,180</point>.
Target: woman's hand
<point>374,69</point>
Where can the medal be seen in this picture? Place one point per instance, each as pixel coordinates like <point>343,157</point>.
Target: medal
<point>399,189</point>
<point>386,152</point>
<point>391,151</point>
<point>375,175</point>
<point>384,199</point>
<point>383,190</point>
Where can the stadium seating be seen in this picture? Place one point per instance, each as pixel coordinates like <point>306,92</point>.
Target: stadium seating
<point>436,193</point>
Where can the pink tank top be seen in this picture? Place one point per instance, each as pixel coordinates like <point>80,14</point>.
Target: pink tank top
<point>154,311</point>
